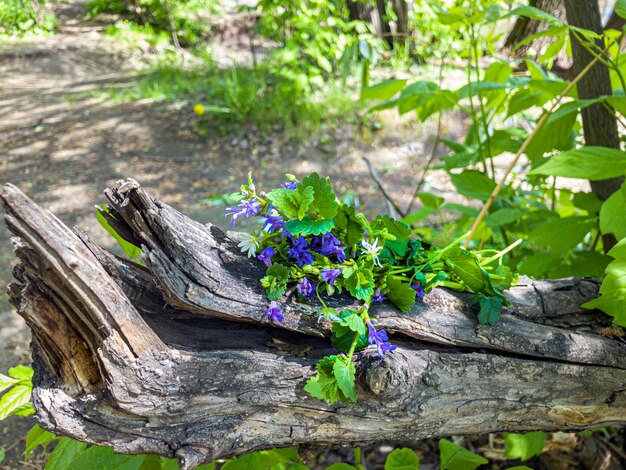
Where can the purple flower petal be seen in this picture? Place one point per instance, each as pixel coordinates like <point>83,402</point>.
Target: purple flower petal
<point>274,312</point>
<point>266,255</point>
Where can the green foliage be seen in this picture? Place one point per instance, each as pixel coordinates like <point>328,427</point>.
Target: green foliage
<point>612,298</point>
<point>319,246</point>
<point>592,163</point>
<point>16,389</point>
<point>275,282</point>
<point>400,294</point>
<point>231,97</point>
<point>102,212</point>
<point>490,308</point>
<point>402,459</point>
<point>317,41</point>
<point>454,457</point>
<point>334,380</point>
<point>524,446</point>
<point>152,18</point>
<point>21,18</point>
<point>265,459</point>
<point>36,437</point>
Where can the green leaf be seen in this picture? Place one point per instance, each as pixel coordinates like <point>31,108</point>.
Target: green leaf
<point>324,200</point>
<point>63,455</point>
<point>556,135</point>
<point>275,282</point>
<point>454,457</point>
<point>308,226</point>
<point>476,88</point>
<point>571,107</point>
<point>23,373</point>
<point>345,376</point>
<point>359,281</point>
<point>131,250</point>
<point>103,458</point>
<point>438,101</point>
<point>592,163</point>
<point>352,224</point>
<point>2,454</point>
<point>612,300</point>
<point>469,271</point>
<point>538,264</point>
<point>473,184</point>
<point>399,230</point>
<point>293,202</point>
<point>402,459</point>
<point>535,14</point>
<point>503,217</point>
<point>431,200</point>
<point>588,202</point>
<point>342,337</point>
<point>400,294</point>
<point>355,323</point>
<point>620,8</point>
<point>262,460</point>
<point>613,215</point>
<point>325,365</point>
<point>490,309</point>
<point>562,234</point>
<point>384,90</point>
<point>323,387</point>
<point>526,98</point>
<point>36,437</point>
<point>523,446</point>
<point>6,382</point>
<point>16,402</point>
<point>418,215</point>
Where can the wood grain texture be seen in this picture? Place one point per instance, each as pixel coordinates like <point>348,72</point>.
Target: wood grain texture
<point>175,357</point>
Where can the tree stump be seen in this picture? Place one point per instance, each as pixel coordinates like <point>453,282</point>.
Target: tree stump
<point>175,357</point>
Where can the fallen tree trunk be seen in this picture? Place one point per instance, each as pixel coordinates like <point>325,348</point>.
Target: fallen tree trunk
<point>175,357</point>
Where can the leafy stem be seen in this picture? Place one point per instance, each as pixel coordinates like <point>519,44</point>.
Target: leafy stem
<point>523,148</point>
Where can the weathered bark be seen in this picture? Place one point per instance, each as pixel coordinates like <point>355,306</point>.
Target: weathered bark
<point>599,123</point>
<point>174,357</point>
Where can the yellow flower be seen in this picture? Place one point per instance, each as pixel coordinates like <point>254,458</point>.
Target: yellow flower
<point>198,109</point>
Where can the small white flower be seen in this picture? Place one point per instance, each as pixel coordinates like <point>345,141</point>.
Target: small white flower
<point>373,250</point>
<point>249,244</point>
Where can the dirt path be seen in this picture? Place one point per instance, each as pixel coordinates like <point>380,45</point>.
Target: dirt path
<point>63,148</point>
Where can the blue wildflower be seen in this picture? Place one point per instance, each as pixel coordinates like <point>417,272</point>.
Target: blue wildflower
<point>419,290</point>
<point>274,312</point>
<point>329,242</point>
<point>299,251</point>
<point>330,245</point>
<point>273,222</point>
<point>339,252</point>
<point>245,208</point>
<point>378,296</point>
<point>330,275</point>
<point>305,287</point>
<point>289,185</point>
<point>380,339</point>
<point>266,255</point>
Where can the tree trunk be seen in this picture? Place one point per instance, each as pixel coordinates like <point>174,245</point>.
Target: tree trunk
<point>525,27</point>
<point>599,124</point>
<point>175,357</point>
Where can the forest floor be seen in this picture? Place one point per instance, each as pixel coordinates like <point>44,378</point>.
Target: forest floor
<point>62,145</point>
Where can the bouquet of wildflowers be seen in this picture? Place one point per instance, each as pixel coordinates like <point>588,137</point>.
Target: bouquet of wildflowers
<point>314,247</point>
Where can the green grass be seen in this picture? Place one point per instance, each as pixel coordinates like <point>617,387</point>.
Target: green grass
<point>239,95</point>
